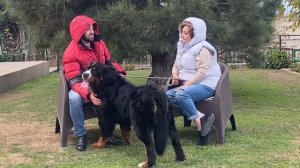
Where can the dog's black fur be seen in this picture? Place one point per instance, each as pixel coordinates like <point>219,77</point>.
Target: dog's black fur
<point>146,108</point>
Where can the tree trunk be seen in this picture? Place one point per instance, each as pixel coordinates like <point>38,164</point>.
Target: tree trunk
<point>23,48</point>
<point>161,67</point>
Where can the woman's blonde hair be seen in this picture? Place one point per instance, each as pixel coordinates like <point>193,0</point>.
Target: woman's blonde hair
<point>189,25</point>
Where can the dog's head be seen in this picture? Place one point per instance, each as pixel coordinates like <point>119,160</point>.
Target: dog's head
<point>99,74</point>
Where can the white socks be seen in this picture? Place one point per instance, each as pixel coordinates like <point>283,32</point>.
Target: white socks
<point>200,114</point>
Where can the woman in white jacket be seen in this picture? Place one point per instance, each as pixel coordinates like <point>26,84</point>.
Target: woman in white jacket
<point>196,65</point>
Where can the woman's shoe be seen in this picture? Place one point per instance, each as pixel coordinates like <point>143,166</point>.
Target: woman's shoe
<point>203,140</point>
<point>206,123</point>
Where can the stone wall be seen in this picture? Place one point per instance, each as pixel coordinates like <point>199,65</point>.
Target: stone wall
<point>282,25</point>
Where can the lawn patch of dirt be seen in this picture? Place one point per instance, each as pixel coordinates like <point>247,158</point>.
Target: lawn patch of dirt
<point>20,138</point>
<point>293,155</point>
<point>297,141</point>
<point>281,75</point>
<point>35,136</point>
<point>18,158</point>
<point>8,96</point>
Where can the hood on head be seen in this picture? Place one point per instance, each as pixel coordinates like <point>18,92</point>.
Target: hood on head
<point>79,25</point>
<point>199,27</point>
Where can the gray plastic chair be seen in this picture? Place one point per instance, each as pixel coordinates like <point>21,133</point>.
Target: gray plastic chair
<point>220,105</point>
<point>64,123</point>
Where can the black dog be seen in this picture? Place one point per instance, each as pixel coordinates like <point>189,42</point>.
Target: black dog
<point>146,108</point>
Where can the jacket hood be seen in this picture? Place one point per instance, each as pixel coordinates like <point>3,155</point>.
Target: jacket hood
<point>79,25</point>
<point>199,28</point>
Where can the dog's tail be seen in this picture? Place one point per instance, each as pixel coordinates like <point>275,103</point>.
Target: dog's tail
<point>161,125</point>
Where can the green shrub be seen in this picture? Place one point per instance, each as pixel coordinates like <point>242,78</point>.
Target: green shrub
<point>129,67</point>
<point>5,58</point>
<point>296,67</point>
<point>255,60</point>
<point>276,59</point>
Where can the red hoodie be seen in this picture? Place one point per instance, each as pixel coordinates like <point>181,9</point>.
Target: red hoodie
<point>77,58</point>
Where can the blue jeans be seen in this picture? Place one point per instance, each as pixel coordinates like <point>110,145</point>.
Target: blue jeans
<point>76,111</point>
<point>183,99</point>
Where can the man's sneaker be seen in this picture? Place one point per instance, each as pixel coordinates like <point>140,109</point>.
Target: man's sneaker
<point>81,143</point>
<point>206,123</point>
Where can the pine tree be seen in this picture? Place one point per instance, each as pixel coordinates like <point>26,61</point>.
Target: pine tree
<point>136,28</point>
<point>233,25</point>
<point>134,32</point>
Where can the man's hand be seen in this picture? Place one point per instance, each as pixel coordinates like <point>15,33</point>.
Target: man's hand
<point>95,100</point>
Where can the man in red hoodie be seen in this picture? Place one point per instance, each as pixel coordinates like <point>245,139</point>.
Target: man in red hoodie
<point>86,47</point>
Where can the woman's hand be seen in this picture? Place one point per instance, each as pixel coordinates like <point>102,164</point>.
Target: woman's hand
<point>186,84</point>
<point>95,100</point>
<point>175,81</point>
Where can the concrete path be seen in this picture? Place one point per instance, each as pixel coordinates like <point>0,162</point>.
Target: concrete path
<point>290,71</point>
<point>16,73</point>
<point>52,69</point>
<point>10,67</point>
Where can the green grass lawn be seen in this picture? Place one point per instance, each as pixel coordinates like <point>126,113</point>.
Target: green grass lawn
<point>266,106</point>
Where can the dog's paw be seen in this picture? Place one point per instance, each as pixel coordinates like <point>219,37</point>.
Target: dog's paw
<point>97,146</point>
<point>113,141</point>
<point>143,165</point>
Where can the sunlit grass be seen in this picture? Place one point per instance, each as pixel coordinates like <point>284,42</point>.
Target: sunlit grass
<point>266,107</point>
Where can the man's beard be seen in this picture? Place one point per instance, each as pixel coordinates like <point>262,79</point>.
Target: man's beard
<point>87,39</point>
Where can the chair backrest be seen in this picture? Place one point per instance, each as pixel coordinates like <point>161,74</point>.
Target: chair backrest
<point>63,99</point>
<point>223,83</point>
<point>223,67</point>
